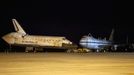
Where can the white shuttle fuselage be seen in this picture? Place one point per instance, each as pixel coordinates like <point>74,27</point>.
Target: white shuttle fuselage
<point>22,39</point>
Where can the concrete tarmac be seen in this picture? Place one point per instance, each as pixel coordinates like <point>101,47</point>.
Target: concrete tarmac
<point>66,63</point>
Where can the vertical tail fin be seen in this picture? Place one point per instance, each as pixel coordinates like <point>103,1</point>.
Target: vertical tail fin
<point>17,27</point>
<point>111,35</point>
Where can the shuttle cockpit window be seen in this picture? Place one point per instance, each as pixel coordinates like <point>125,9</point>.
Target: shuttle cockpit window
<point>64,39</point>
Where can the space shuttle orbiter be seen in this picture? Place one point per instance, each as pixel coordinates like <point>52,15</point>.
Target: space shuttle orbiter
<point>21,38</point>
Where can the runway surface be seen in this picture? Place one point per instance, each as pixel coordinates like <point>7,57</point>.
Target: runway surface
<point>67,64</point>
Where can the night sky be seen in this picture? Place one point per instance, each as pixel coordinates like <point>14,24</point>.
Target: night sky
<point>70,18</point>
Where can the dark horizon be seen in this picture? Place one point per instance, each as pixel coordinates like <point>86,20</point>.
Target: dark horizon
<point>71,19</point>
